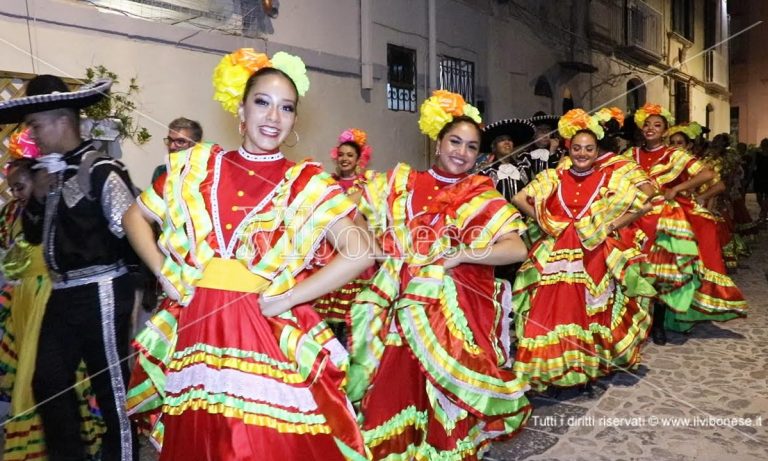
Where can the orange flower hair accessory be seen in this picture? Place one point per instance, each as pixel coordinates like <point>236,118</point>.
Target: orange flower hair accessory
<point>576,120</point>
<point>691,130</point>
<point>234,70</point>
<point>361,139</point>
<point>653,109</point>
<point>607,113</point>
<point>440,109</point>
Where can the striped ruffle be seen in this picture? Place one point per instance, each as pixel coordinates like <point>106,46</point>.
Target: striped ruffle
<point>567,354</point>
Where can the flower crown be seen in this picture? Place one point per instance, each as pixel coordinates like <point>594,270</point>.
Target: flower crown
<point>361,139</point>
<point>653,109</point>
<point>607,113</point>
<point>234,70</point>
<point>577,119</point>
<point>440,109</point>
<point>691,129</point>
<point>22,146</point>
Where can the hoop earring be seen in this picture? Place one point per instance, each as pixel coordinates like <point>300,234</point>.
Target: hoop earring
<point>297,139</point>
<point>241,128</point>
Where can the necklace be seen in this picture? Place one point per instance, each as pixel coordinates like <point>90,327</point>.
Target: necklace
<point>582,173</point>
<point>442,178</point>
<point>260,158</point>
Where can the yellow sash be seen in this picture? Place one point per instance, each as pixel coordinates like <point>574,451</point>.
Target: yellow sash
<point>231,275</point>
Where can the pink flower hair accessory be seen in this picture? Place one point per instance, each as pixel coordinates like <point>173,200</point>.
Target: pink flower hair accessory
<point>360,138</point>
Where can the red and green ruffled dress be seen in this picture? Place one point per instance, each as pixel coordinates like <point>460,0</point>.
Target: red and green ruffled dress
<point>429,345</point>
<point>684,247</point>
<point>582,301</point>
<point>334,307</point>
<point>229,383</point>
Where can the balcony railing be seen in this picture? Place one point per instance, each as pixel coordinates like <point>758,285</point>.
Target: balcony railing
<point>606,22</point>
<point>716,68</point>
<point>644,26</point>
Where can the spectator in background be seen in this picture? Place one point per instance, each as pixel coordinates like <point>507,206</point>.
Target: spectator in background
<point>761,179</point>
<point>183,133</point>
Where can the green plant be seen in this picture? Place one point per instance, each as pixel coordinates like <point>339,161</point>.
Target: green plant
<point>119,105</point>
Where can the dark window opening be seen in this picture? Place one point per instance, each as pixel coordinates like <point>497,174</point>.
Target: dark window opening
<point>401,78</point>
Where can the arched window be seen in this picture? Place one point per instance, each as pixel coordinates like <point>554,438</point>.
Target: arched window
<point>542,87</point>
<point>635,94</point>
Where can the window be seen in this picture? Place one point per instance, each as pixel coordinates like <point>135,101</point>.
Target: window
<point>635,94</point>
<point>682,18</point>
<point>682,102</point>
<point>401,78</point>
<point>458,76</point>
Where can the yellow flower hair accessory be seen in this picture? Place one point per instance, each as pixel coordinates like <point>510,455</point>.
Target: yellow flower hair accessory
<point>653,109</point>
<point>692,130</point>
<point>234,70</point>
<point>607,113</point>
<point>577,119</point>
<point>440,109</point>
<point>293,67</point>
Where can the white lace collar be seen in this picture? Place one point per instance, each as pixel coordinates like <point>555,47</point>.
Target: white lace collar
<point>260,158</point>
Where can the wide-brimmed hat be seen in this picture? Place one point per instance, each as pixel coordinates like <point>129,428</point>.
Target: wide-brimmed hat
<point>519,130</point>
<point>48,92</point>
<point>541,118</point>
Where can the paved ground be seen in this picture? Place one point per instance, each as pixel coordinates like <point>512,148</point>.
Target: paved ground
<point>673,407</point>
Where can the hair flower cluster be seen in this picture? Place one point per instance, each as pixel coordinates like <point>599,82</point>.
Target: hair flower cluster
<point>360,138</point>
<point>690,129</point>
<point>440,109</point>
<point>576,120</point>
<point>22,146</point>
<point>607,113</point>
<point>234,70</point>
<point>653,109</point>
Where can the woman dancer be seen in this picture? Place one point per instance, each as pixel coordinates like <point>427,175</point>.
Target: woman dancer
<point>683,244</point>
<point>253,372</point>
<point>582,301</point>
<point>352,156</point>
<point>431,332</point>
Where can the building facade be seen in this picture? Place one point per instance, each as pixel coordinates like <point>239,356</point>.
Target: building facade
<point>372,62</point>
<point>749,71</point>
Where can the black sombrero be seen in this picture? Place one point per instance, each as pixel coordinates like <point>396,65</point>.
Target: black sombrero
<point>540,118</point>
<point>520,131</point>
<point>48,92</point>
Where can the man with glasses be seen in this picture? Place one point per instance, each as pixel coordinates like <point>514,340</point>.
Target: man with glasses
<point>183,133</point>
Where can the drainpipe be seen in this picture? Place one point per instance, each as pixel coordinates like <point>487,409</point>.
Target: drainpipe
<point>432,15</point>
<point>366,66</point>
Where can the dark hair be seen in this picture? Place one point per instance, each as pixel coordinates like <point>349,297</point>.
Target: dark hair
<point>687,138</point>
<point>353,145</point>
<point>586,131</point>
<point>610,141</point>
<point>456,121</point>
<point>194,127</point>
<point>22,164</point>
<point>264,71</point>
